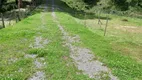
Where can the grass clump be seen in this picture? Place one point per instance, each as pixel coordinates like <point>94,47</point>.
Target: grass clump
<point>39,52</point>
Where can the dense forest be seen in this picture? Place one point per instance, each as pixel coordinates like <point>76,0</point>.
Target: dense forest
<point>107,4</point>
<point>113,5</point>
<point>7,5</point>
<point>88,5</point>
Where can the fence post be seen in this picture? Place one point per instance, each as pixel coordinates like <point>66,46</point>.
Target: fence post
<point>10,18</point>
<point>99,19</point>
<point>106,25</point>
<point>18,15</point>
<point>85,19</point>
<point>2,20</point>
<point>15,16</point>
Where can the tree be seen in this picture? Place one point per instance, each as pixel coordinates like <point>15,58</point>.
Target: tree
<point>120,4</point>
<point>2,2</point>
<point>126,4</point>
<point>16,2</point>
<point>91,2</point>
<point>20,4</point>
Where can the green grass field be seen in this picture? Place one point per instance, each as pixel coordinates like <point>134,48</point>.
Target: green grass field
<point>120,50</point>
<point>122,65</point>
<point>125,36</point>
<point>14,45</point>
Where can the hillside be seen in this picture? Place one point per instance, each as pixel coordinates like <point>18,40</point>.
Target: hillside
<point>58,42</point>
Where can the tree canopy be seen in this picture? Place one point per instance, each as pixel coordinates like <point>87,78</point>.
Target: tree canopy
<point>121,5</point>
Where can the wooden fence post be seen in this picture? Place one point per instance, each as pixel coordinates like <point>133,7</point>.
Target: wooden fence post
<point>18,16</point>
<point>15,14</point>
<point>10,18</point>
<point>85,19</point>
<point>99,19</point>
<point>2,20</point>
<point>106,25</point>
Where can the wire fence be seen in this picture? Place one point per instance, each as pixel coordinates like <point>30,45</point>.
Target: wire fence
<point>9,18</point>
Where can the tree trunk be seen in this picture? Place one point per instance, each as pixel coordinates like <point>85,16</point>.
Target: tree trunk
<point>2,20</point>
<point>33,3</point>
<point>16,2</point>
<point>20,4</point>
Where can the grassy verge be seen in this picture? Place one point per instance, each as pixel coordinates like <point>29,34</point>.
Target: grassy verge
<point>14,42</point>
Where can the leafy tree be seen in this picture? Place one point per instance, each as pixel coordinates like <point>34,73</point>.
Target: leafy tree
<point>120,4</point>
<point>2,2</point>
<point>20,4</point>
<point>76,4</point>
<point>91,2</point>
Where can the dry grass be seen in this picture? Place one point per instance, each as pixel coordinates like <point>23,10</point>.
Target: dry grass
<point>126,36</point>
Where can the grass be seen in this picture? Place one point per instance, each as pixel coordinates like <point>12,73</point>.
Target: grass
<point>57,67</point>
<point>15,41</point>
<point>124,36</point>
<point>14,45</point>
<point>122,66</point>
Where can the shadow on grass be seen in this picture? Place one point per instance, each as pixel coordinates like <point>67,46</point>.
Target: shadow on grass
<point>75,13</point>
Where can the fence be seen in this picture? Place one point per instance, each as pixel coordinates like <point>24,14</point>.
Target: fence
<point>11,17</point>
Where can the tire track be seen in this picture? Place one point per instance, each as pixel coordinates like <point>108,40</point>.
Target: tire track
<point>39,43</point>
<point>83,58</point>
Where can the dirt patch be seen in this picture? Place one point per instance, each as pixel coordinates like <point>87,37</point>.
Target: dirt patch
<point>30,56</point>
<point>38,76</point>
<point>20,70</point>
<point>12,60</point>
<point>133,51</point>
<point>131,29</point>
<point>39,42</point>
<point>39,62</point>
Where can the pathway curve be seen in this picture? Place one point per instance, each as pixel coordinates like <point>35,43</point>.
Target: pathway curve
<point>83,57</point>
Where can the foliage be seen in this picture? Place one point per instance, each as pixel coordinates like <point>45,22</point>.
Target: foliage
<point>121,5</point>
<point>2,2</point>
<point>76,4</point>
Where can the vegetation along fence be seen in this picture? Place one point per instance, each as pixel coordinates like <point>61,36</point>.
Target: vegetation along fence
<point>11,13</point>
